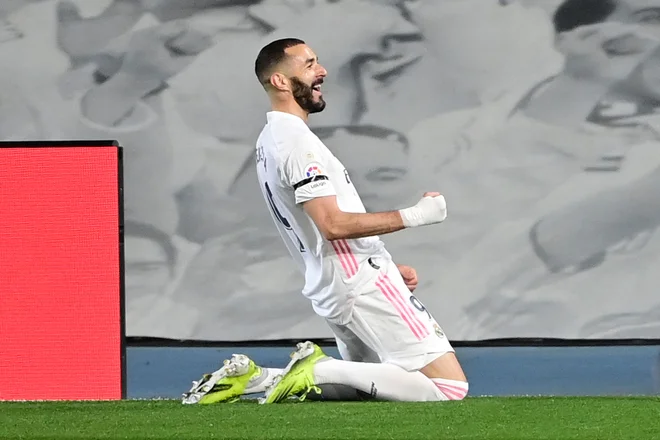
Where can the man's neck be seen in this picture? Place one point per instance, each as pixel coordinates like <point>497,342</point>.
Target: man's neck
<point>291,108</point>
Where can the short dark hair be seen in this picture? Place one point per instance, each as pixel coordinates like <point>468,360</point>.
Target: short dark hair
<point>572,14</point>
<point>271,55</point>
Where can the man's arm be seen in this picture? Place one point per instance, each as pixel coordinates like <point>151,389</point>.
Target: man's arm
<point>336,224</point>
<point>303,172</point>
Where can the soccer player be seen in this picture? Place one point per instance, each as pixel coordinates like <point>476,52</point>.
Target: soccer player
<point>350,278</point>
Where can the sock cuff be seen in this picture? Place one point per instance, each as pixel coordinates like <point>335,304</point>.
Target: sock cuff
<point>453,389</point>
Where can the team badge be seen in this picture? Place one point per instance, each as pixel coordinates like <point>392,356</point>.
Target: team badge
<point>313,170</point>
<point>438,331</point>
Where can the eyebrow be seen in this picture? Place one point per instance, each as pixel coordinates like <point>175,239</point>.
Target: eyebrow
<point>311,60</point>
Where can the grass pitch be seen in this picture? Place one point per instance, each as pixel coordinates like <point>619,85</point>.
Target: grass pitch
<point>473,418</point>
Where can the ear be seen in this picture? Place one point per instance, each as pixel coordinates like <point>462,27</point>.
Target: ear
<point>279,82</point>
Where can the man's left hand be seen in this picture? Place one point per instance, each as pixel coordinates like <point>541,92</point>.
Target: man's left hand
<point>409,276</point>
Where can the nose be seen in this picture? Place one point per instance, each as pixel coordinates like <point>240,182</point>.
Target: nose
<point>321,71</point>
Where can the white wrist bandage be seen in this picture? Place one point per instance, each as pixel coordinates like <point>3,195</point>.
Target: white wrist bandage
<point>427,211</point>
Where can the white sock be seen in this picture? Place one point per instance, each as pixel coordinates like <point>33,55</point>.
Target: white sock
<point>260,383</point>
<point>381,381</point>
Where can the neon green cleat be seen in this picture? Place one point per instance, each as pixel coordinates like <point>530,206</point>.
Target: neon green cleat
<point>297,379</point>
<point>226,385</point>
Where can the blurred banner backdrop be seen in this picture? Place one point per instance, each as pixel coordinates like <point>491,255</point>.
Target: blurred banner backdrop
<point>536,118</point>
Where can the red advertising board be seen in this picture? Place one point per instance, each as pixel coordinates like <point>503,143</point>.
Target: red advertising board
<point>61,271</point>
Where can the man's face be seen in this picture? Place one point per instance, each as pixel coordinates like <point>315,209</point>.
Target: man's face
<point>147,268</point>
<point>366,27</point>
<point>306,78</point>
<point>628,55</point>
<point>644,82</point>
<point>625,12</point>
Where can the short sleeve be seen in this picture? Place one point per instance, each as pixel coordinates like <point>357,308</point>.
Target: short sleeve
<point>305,170</point>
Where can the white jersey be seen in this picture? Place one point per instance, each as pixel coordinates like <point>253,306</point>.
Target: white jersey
<point>293,167</point>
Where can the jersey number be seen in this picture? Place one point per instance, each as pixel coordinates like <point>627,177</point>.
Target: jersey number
<point>280,218</point>
<point>419,306</point>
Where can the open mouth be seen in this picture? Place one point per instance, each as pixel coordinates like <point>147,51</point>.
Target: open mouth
<point>317,86</point>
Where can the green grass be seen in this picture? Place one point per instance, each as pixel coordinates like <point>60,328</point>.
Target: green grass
<point>475,418</point>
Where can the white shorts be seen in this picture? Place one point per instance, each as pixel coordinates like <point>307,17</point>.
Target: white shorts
<point>388,323</point>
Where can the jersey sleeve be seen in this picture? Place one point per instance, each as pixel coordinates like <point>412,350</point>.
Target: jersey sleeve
<point>305,170</point>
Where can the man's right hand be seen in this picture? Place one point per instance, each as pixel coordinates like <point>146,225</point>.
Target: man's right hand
<point>432,208</point>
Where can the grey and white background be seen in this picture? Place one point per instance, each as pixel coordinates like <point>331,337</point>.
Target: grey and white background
<point>546,145</point>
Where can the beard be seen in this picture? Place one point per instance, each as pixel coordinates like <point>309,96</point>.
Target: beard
<point>304,95</point>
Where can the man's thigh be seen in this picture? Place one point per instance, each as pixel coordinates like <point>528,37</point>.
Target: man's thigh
<point>394,324</point>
